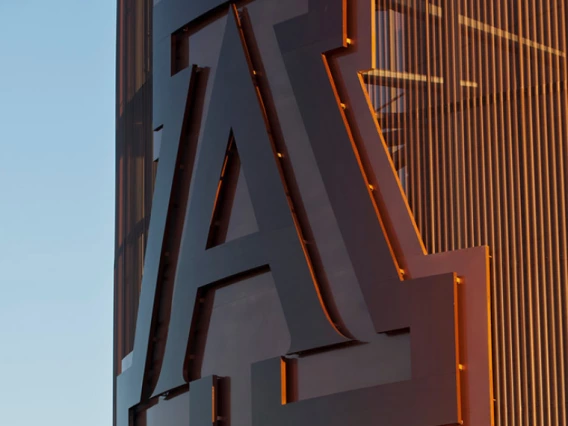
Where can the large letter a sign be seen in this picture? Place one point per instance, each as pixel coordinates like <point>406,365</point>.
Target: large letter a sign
<point>260,101</point>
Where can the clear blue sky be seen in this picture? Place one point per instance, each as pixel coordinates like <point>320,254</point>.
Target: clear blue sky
<point>56,211</point>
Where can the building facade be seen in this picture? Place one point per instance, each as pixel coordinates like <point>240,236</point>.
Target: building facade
<point>341,212</point>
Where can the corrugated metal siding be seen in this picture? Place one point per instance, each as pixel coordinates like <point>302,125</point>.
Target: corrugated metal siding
<point>472,101</point>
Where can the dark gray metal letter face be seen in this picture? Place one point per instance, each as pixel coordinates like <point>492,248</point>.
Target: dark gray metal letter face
<point>202,401</point>
<point>171,15</point>
<point>130,382</point>
<point>430,398</point>
<point>235,109</point>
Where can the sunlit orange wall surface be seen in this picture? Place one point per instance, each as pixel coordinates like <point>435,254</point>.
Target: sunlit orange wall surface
<point>471,99</point>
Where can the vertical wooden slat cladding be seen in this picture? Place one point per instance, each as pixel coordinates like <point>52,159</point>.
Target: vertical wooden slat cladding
<point>472,102</point>
<point>133,164</point>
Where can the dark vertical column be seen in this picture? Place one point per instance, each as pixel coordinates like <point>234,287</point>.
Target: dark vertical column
<point>133,166</point>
